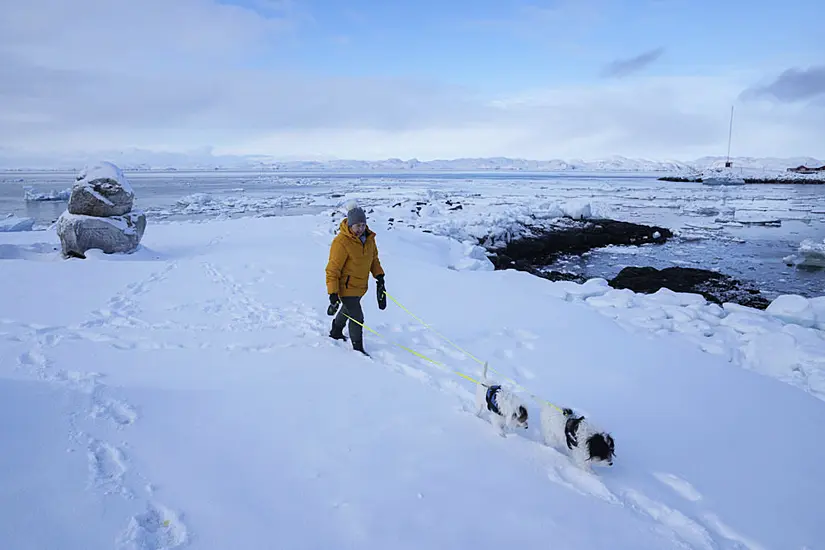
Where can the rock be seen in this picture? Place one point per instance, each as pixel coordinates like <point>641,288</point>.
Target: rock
<point>101,191</point>
<point>548,245</point>
<point>714,287</point>
<point>501,261</point>
<point>115,234</point>
<point>99,214</point>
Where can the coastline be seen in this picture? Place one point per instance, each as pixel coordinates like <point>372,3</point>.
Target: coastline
<point>751,180</point>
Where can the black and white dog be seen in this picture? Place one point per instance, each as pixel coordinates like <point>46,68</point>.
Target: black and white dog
<point>506,409</point>
<point>563,429</point>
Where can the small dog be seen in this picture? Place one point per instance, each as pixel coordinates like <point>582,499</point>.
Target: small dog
<point>506,409</point>
<point>588,445</point>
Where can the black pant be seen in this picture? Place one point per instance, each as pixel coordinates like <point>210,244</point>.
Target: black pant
<point>350,305</point>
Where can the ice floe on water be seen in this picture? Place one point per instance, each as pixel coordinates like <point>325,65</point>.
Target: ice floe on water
<point>494,209</point>
<point>30,195</point>
<point>15,223</point>
<point>810,253</point>
<point>235,203</point>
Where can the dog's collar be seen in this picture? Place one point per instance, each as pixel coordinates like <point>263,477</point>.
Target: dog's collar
<point>492,406</point>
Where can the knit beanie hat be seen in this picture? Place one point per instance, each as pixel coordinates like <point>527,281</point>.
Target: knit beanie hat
<point>355,214</point>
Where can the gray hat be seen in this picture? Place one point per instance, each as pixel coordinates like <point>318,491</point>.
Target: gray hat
<point>356,215</point>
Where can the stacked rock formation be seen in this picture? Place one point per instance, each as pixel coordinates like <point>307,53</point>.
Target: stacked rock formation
<point>100,215</point>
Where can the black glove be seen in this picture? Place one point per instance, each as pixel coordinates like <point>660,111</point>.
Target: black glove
<point>333,303</point>
<point>380,290</point>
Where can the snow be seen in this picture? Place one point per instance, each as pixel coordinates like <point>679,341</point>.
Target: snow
<point>755,218</point>
<point>30,195</point>
<point>103,170</point>
<point>810,254</point>
<point>16,223</point>
<point>236,202</point>
<point>473,219</point>
<point>798,310</point>
<point>195,199</point>
<point>193,399</point>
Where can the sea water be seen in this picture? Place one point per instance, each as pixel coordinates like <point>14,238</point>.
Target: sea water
<point>743,231</point>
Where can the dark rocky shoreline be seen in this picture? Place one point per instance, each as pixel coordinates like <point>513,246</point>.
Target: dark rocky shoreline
<point>533,254</point>
<point>713,286</point>
<point>780,180</point>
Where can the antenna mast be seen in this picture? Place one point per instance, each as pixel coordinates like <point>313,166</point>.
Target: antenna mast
<point>730,134</point>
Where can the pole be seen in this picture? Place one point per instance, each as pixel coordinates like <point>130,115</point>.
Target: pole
<point>730,134</point>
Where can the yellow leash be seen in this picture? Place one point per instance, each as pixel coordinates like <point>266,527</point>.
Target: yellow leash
<point>411,314</point>
<point>405,348</point>
<point>438,363</point>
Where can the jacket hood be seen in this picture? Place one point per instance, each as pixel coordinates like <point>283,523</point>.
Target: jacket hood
<point>345,229</point>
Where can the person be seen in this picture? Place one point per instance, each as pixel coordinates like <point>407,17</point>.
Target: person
<point>353,255</point>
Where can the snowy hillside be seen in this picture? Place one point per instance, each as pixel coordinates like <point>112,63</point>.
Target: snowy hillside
<point>193,399</point>
<point>757,164</point>
<point>205,159</point>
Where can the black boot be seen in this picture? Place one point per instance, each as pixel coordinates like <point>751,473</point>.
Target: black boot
<point>337,333</point>
<point>358,345</point>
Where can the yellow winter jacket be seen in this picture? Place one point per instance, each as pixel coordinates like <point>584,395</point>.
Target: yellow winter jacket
<point>351,262</point>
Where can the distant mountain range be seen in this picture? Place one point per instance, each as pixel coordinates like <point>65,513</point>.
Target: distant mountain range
<point>143,160</point>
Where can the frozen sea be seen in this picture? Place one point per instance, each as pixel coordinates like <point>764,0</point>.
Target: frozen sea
<point>743,231</point>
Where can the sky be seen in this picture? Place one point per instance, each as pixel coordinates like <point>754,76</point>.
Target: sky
<point>366,79</point>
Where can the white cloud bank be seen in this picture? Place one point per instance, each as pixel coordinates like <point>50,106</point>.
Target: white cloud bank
<point>95,75</point>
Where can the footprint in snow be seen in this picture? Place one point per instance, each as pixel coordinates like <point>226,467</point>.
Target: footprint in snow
<point>399,366</point>
<point>119,412</point>
<point>726,532</point>
<point>158,528</point>
<point>682,526</point>
<point>107,467</point>
<point>86,382</point>
<point>683,488</point>
<point>32,358</point>
<point>527,374</point>
<point>567,474</point>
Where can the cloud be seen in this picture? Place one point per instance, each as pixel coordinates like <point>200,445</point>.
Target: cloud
<point>260,113</point>
<point>791,86</point>
<point>178,76</point>
<point>134,36</point>
<point>623,67</point>
<point>656,117</point>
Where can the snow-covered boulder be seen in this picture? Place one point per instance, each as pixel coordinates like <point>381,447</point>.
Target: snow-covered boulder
<point>113,234</point>
<point>101,190</point>
<point>100,215</point>
<point>14,223</point>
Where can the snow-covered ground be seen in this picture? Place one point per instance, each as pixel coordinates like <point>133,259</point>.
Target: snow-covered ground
<point>189,397</point>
